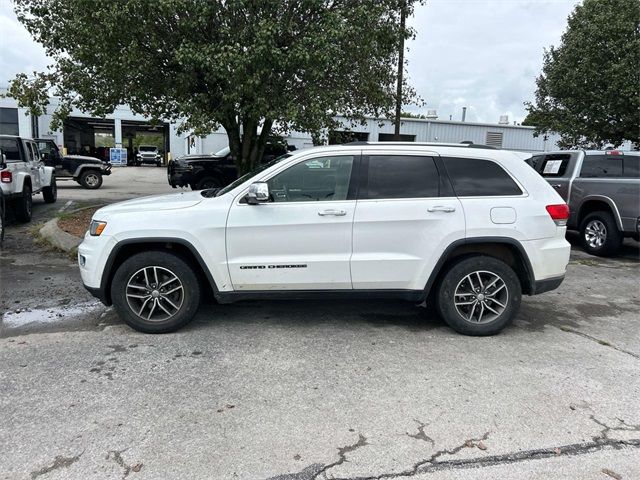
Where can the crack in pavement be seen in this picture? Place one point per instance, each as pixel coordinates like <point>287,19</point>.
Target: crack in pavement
<point>599,442</point>
<point>421,435</point>
<point>58,462</point>
<point>117,457</point>
<point>599,341</point>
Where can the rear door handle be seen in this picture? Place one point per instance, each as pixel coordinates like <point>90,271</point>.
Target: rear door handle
<point>335,213</point>
<point>440,208</point>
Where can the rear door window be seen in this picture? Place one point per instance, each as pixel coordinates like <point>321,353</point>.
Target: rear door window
<point>554,165</point>
<point>601,166</point>
<point>473,177</point>
<point>400,176</point>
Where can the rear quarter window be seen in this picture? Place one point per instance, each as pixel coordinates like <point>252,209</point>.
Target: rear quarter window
<point>472,177</point>
<point>10,148</point>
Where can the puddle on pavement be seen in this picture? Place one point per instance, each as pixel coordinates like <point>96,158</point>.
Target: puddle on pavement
<point>49,315</point>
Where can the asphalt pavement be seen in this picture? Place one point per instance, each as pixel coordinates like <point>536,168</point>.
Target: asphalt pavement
<point>312,390</point>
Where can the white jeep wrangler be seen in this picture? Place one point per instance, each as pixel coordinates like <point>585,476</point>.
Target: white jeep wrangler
<point>470,229</point>
<point>23,174</point>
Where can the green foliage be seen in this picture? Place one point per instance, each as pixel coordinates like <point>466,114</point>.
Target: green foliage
<point>589,89</point>
<point>249,66</point>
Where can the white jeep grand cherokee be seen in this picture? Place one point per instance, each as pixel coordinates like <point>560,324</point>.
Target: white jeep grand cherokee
<point>470,229</point>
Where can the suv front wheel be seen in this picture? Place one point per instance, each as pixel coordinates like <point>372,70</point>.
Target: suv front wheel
<point>155,292</point>
<point>479,295</point>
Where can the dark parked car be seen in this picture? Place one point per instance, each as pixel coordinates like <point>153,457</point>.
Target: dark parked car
<point>87,171</point>
<point>213,171</point>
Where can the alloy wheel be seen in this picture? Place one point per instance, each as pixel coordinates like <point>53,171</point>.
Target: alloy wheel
<point>154,293</point>
<point>91,179</point>
<point>481,297</point>
<point>595,234</point>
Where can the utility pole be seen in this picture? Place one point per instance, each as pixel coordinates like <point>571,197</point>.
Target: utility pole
<point>403,11</point>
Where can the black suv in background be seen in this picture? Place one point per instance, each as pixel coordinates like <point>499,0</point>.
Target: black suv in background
<point>213,171</point>
<point>87,171</point>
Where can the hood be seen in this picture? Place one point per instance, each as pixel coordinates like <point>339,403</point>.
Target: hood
<point>155,203</point>
<point>84,158</point>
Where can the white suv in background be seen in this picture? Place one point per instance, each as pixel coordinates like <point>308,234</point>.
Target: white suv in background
<point>470,229</point>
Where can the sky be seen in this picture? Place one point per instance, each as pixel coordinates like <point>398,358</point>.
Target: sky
<point>482,54</point>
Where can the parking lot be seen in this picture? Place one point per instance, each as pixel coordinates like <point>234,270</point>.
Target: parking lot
<point>312,390</point>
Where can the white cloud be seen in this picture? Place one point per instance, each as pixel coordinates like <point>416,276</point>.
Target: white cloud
<point>483,54</point>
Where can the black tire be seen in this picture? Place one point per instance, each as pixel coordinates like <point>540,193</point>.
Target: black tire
<point>158,164</point>
<point>131,270</point>
<point>481,320</point>
<point>91,179</point>
<point>50,193</point>
<point>207,182</point>
<point>599,234</point>
<point>2,209</point>
<point>24,205</point>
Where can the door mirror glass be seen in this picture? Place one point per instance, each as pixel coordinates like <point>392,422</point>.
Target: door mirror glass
<point>258,193</point>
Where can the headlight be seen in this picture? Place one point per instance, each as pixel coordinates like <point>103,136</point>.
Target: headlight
<point>96,228</point>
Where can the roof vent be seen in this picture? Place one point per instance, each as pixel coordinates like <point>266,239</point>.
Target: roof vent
<point>504,120</point>
<point>432,114</point>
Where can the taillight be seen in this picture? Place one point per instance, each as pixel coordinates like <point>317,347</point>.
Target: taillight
<point>6,177</point>
<point>613,152</point>
<point>559,213</point>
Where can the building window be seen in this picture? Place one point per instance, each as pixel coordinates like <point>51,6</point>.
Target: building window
<point>494,139</point>
<point>9,121</point>
<point>390,137</point>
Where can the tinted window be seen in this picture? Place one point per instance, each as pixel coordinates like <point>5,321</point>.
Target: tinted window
<point>472,177</point>
<point>631,166</point>
<point>9,147</point>
<point>597,166</point>
<point>402,177</point>
<point>319,179</point>
<point>554,165</point>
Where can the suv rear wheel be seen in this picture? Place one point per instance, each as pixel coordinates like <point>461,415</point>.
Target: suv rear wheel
<point>479,295</point>
<point>24,205</point>
<point>155,292</point>
<point>599,234</point>
<point>90,179</point>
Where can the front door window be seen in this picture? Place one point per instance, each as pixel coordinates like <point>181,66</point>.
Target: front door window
<point>317,180</point>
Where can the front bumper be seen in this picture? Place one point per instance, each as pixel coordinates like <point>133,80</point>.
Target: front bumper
<point>106,169</point>
<point>546,285</point>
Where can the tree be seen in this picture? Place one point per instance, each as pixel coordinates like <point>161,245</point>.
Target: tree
<point>589,88</point>
<point>250,66</point>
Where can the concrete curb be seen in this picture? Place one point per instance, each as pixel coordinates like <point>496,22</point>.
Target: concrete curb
<point>58,237</point>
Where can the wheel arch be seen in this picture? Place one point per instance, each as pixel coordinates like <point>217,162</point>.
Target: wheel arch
<point>179,246</point>
<point>84,167</point>
<point>508,250</point>
<point>595,203</point>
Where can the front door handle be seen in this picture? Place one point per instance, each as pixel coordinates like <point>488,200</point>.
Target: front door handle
<point>335,213</point>
<point>440,208</point>
<point>557,185</point>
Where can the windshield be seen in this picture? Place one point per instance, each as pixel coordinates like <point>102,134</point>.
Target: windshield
<point>223,153</point>
<point>144,148</point>
<point>255,171</point>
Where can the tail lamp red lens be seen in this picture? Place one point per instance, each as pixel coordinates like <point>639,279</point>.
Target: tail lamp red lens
<point>559,213</point>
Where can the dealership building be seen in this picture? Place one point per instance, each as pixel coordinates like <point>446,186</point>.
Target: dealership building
<point>82,133</point>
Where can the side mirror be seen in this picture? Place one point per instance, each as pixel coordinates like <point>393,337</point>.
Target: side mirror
<point>258,193</point>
